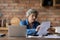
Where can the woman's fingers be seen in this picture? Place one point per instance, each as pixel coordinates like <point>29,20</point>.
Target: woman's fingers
<point>51,30</point>
<point>38,27</point>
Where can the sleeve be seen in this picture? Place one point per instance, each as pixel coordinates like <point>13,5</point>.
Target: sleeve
<point>30,31</point>
<point>21,23</point>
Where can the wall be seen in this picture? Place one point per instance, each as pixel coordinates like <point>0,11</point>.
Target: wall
<point>11,8</point>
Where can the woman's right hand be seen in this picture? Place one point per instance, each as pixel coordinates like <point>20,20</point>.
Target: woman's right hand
<point>38,27</point>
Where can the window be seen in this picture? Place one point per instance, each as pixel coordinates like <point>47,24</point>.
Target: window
<point>47,3</point>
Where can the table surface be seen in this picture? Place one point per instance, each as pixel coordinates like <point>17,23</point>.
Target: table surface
<point>24,38</point>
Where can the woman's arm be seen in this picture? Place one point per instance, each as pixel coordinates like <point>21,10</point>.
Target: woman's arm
<point>22,23</point>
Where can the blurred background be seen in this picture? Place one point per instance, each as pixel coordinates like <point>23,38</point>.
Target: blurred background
<point>49,10</point>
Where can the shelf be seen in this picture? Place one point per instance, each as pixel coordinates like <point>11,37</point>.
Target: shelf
<point>3,28</point>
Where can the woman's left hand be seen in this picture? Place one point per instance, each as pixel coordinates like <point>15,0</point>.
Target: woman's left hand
<point>51,30</point>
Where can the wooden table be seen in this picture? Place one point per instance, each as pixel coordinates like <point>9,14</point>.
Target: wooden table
<point>24,38</point>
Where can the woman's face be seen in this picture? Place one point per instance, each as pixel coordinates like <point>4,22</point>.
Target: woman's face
<point>32,17</point>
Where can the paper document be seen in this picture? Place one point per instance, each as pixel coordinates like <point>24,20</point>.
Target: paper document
<point>43,29</point>
<point>52,36</point>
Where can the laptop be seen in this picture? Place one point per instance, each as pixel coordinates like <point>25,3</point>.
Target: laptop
<point>16,30</point>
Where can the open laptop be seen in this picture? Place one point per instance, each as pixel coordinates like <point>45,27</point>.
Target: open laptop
<point>16,30</point>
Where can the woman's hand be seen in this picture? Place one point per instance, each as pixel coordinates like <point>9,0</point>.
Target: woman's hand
<point>51,30</point>
<point>38,27</point>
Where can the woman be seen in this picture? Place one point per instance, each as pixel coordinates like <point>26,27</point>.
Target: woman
<point>30,22</point>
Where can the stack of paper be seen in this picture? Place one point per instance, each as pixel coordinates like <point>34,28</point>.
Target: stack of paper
<point>43,29</point>
<point>52,36</point>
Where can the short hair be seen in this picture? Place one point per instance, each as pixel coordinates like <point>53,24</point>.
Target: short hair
<point>30,11</point>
